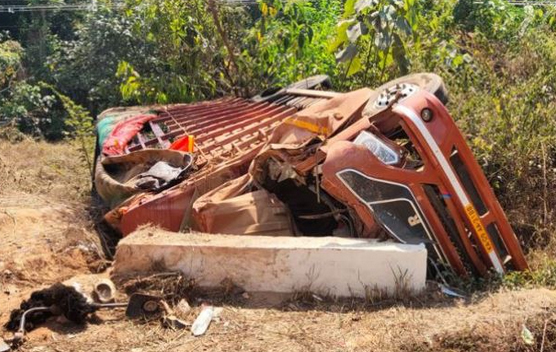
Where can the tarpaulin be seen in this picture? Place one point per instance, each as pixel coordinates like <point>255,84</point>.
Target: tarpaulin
<point>105,127</point>
<point>290,143</point>
<point>123,133</point>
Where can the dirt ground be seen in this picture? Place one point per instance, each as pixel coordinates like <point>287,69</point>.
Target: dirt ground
<point>48,234</point>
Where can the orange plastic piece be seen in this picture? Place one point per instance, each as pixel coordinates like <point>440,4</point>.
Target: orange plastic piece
<point>185,144</point>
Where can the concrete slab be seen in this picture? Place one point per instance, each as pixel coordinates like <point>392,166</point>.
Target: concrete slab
<point>334,266</point>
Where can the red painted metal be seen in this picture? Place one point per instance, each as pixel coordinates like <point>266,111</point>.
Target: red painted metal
<point>228,134</point>
<point>437,142</point>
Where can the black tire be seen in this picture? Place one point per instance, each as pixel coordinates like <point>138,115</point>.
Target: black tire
<point>274,93</point>
<point>430,82</point>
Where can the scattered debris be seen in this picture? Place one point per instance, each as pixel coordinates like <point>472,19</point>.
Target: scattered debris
<point>173,322</point>
<point>104,291</point>
<point>527,336</point>
<point>43,304</point>
<point>169,286</point>
<point>183,307</point>
<point>20,333</point>
<point>170,320</point>
<point>143,306</point>
<point>317,297</point>
<point>4,347</point>
<point>217,312</point>
<point>61,300</point>
<point>120,176</point>
<point>450,291</point>
<point>201,324</point>
<point>68,302</point>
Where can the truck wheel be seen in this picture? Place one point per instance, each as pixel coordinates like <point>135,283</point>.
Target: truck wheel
<point>430,82</point>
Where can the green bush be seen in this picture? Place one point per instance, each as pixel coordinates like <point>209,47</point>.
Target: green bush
<point>85,68</point>
<point>290,42</point>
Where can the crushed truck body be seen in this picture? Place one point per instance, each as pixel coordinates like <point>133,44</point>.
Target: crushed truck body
<point>388,163</point>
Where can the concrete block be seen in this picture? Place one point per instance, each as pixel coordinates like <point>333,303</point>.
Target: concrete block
<point>325,265</point>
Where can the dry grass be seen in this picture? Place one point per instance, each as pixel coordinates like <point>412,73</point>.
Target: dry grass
<point>490,323</point>
<point>171,286</point>
<point>46,226</point>
<point>54,171</point>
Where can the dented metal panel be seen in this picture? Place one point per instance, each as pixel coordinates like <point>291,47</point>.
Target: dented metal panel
<point>228,134</point>
<point>444,200</point>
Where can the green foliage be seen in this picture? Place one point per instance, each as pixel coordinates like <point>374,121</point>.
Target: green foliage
<point>191,61</point>
<point>21,105</point>
<point>31,108</point>
<point>374,35</point>
<point>85,68</point>
<point>10,61</point>
<point>183,58</point>
<point>495,19</point>
<point>289,41</point>
<point>78,126</point>
<point>508,113</point>
<point>439,46</point>
<point>544,276</point>
<point>131,88</point>
<point>42,32</point>
<point>24,106</point>
<point>79,122</point>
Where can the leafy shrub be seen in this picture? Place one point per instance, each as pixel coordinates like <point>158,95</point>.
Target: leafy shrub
<point>183,57</point>
<point>26,107</point>
<point>290,42</point>
<point>11,54</point>
<point>374,35</point>
<point>85,68</point>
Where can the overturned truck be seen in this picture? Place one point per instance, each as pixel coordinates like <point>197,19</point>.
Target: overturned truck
<point>302,161</point>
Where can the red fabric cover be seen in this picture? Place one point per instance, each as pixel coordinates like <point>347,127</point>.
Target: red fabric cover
<point>123,133</point>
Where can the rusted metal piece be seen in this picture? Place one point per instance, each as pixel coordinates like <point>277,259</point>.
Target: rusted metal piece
<point>143,306</point>
<point>215,125</point>
<point>19,335</point>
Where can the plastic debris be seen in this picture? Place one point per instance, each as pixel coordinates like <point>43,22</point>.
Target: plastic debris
<point>201,324</point>
<point>450,292</point>
<point>183,307</point>
<point>173,322</point>
<point>4,347</point>
<point>527,336</point>
<point>104,291</point>
<point>170,320</point>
